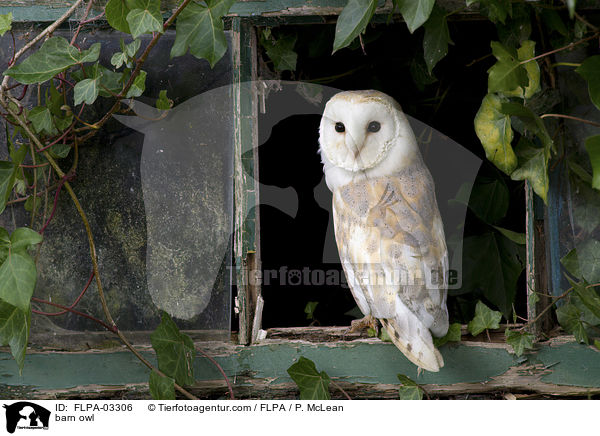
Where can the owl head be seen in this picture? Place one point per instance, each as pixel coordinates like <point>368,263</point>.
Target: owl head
<point>365,132</point>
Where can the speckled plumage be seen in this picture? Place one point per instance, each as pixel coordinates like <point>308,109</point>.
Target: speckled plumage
<point>388,228</point>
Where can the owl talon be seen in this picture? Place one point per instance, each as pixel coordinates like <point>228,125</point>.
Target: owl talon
<point>359,325</point>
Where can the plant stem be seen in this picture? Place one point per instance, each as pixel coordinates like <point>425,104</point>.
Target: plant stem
<point>341,389</point>
<point>565,64</point>
<point>547,308</point>
<point>593,123</point>
<point>566,47</point>
<point>70,309</point>
<point>214,362</point>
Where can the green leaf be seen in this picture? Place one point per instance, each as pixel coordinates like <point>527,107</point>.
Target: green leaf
<point>163,102</point>
<point>588,297</point>
<point>86,91</point>
<point>495,133</point>
<point>570,317</point>
<point>415,12</point>
<point>533,166</point>
<point>18,275</point>
<point>571,7</point>
<point>525,52</point>
<point>489,199</point>
<point>53,57</point>
<point>313,385</point>
<point>578,170</point>
<point>7,181</point>
<point>132,48</point>
<point>200,29</point>
<point>118,59</point>
<point>597,344</point>
<point>420,74</point>
<point>485,318</point>
<point>5,23</point>
<point>453,335</point>
<point>353,21</point>
<point>507,74</point>
<point>174,351</point>
<point>116,14</point>
<point>309,309</point>
<point>590,71</point>
<point>588,255</point>
<point>495,10</point>
<point>518,29</point>
<point>519,341</point>
<point>281,52</point>
<point>139,85</point>
<point>436,39</point>
<point>570,262</point>
<point>592,145</point>
<point>586,206</point>
<point>409,389</point>
<point>161,388</point>
<point>14,331</point>
<point>144,17</point>
<point>531,121</point>
<point>24,237</point>
<point>57,151</point>
<point>410,393</point>
<point>517,238</point>
<point>553,21</point>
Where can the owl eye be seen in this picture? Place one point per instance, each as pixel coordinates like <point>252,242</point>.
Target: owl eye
<point>339,127</point>
<point>374,126</point>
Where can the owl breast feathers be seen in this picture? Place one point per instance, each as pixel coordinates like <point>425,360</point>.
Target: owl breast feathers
<point>388,227</point>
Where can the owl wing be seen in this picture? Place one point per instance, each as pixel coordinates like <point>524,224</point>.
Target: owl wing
<point>392,245</point>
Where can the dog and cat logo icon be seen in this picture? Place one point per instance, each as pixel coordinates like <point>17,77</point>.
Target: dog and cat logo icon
<point>26,415</point>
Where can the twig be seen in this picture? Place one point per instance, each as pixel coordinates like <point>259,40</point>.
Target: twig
<point>214,362</point>
<point>546,309</point>
<point>76,312</point>
<point>62,312</point>
<point>341,389</point>
<point>566,47</point>
<point>593,123</point>
<point>82,21</point>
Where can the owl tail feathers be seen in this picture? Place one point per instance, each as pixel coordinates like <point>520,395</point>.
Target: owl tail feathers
<point>418,348</point>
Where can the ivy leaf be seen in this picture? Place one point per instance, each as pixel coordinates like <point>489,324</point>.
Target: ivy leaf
<point>570,317</point>
<point>495,10</point>
<point>41,120</point>
<point>587,296</point>
<point>489,199</point>
<point>588,255</point>
<point>525,52</point>
<point>281,52</point>
<point>53,57</point>
<point>592,145</point>
<point>553,21</point>
<point>200,29</point>
<point>24,237</point>
<point>313,385</point>
<point>571,7</point>
<point>453,335</point>
<point>18,275</point>
<point>118,59</point>
<point>436,39</point>
<point>485,318</point>
<point>144,17</point>
<point>494,130</point>
<point>352,22</point>
<point>174,351</point>
<point>590,71</point>
<point>517,29</point>
<point>507,73</point>
<point>5,23</point>
<point>531,121</point>
<point>161,387</point>
<point>571,263</point>
<point>86,91</point>
<point>519,341</point>
<point>14,331</point>
<point>415,12</point>
<point>163,102</point>
<point>139,85</point>
<point>586,202</point>
<point>533,166</point>
<point>116,14</point>
<point>309,309</point>
<point>517,238</point>
<point>409,389</point>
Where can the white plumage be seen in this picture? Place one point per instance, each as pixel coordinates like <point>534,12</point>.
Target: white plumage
<point>388,228</point>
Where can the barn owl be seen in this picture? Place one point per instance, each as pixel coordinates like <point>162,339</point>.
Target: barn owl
<point>388,228</point>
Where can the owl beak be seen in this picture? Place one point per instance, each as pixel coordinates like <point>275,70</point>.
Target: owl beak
<point>355,143</point>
